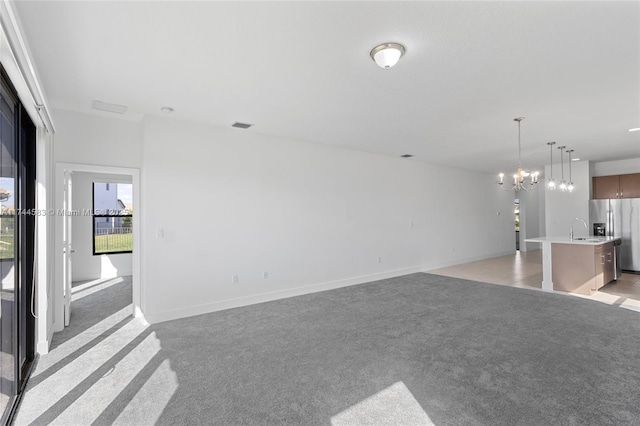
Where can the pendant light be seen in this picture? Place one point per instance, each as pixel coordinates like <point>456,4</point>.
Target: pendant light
<point>563,184</point>
<point>552,182</point>
<point>570,186</point>
<point>519,183</point>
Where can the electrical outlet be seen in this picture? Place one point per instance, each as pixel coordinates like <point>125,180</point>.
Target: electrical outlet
<point>265,275</point>
<point>234,278</point>
<point>379,259</point>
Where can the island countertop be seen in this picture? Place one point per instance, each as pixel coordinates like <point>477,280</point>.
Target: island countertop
<point>592,241</point>
<point>547,242</point>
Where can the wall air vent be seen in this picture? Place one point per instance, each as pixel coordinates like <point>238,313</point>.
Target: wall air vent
<point>406,156</point>
<point>241,125</point>
<point>105,106</point>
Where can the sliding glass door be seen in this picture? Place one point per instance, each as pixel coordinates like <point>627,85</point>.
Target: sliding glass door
<point>17,220</point>
<point>8,169</point>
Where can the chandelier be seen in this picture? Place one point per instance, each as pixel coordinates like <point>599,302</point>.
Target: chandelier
<point>523,180</point>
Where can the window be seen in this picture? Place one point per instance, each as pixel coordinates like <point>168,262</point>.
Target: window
<point>112,218</point>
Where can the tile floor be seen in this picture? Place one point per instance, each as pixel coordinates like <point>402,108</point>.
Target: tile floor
<point>524,269</point>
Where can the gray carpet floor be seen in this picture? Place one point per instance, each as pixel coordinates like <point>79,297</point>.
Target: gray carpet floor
<point>417,349</point>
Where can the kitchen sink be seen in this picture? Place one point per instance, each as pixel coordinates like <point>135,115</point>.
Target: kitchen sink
<point>588,239</point>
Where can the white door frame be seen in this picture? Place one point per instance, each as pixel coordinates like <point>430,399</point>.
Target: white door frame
<point>67,246</point>
<point>61,168</point>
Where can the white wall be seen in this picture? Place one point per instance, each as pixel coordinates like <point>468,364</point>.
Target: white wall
<point>89,140</point>
<point>531,221</point>
<point>542,217</point>
<point>220,202</point>
<point>562,207</point>
<point>15,58</point>
<point>231,202</point>
<point>86,266</point>
<point>92,139</point>
<point>620,167</point>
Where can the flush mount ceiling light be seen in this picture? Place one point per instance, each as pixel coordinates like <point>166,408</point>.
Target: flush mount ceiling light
<point>519,183</point>
<point>387,55</point>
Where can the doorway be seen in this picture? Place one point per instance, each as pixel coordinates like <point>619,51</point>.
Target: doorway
<point>516,211</point>
<point>69,181</point>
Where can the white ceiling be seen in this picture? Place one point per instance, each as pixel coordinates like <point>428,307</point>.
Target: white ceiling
<point>302,70</point>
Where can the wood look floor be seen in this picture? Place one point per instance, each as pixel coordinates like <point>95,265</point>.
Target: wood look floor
<point>524,269</point>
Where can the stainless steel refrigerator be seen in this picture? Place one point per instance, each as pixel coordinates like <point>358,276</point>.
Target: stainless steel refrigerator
<point>619,218</point>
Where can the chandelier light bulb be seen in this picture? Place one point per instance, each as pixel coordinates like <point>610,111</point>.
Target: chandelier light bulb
<point>534,177</point>
<point>552,185</point>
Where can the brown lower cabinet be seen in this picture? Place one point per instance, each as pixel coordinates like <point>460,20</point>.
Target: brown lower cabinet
<point>582,268</point>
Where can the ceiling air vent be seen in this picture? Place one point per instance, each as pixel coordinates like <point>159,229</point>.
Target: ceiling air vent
<point>241,125</point>
<point>105,106</point>
<point>406,156</point>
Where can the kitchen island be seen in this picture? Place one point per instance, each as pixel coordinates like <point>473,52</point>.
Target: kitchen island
<point>579,265</point>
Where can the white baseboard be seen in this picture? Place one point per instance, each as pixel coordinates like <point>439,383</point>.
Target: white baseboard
<point>154,318</point>
<point>42,347</point>
<point>100,276</point>
<point>444,264</point>
<point>137,313</point>
<point>190,311</point>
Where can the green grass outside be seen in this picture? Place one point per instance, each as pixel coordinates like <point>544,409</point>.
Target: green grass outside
<point>113,242</point>
<point>104,244</point>
<point>6,246</point>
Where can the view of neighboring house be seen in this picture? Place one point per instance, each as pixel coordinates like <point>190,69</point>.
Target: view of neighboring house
<point>112,218</point>
<point>109,207</point>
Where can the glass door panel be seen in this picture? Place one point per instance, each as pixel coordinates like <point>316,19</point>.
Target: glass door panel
<point>17,231</point>
<point>8,255</point>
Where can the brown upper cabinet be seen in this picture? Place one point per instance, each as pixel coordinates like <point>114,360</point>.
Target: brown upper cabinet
<point>618,186</point>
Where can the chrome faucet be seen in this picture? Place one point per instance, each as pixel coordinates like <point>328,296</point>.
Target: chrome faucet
<point>573,221</point>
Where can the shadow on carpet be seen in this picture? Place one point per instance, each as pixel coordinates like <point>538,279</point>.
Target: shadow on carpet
<point>417,349</point>
<point>469,353</point>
